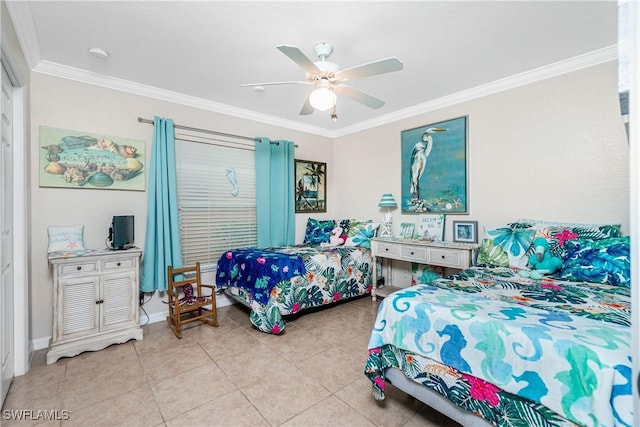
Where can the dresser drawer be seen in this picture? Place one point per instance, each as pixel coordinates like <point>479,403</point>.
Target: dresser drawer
<point>81,267</point>
<point>390,250</point>
<point>449,258</point>
<point>414,253</point>
<point>117,264</point>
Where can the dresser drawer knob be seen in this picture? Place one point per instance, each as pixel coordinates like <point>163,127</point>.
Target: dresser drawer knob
<point>442,256</point>
<point>118,264</point>
<point>386,249</point>
<point>79,268</point>
<point>411,252</point>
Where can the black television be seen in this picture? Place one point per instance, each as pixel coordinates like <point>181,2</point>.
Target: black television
<point>121,234</point>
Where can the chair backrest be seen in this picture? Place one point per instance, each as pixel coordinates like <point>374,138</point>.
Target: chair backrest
<point>181,280</point>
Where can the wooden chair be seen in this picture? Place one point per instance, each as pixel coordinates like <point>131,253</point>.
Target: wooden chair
<point>187,303</point>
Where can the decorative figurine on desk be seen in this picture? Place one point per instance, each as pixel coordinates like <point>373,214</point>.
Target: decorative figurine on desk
<point>387,201</point>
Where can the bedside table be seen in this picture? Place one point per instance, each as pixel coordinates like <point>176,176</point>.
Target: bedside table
<point>441,254</point>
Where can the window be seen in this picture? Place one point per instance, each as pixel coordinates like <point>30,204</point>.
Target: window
<point>212,220</point>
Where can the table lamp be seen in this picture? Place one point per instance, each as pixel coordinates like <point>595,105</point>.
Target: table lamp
<point>387,201</point>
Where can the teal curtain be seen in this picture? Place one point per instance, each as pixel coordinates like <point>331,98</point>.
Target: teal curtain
<point>162,240</point>
<point>275,192</point>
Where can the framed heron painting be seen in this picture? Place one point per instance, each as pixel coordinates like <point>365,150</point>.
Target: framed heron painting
<point>434,168</point>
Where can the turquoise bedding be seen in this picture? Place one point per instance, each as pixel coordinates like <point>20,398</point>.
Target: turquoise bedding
<point>332,274</point>
<point>513,350</point>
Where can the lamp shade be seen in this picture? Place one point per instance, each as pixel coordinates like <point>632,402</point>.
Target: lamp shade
<point>387,201</point>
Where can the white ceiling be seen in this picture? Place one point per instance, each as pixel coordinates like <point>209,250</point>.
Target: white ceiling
<point>199,53</point>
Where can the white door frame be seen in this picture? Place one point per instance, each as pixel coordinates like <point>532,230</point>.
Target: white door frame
<point>21,193</point>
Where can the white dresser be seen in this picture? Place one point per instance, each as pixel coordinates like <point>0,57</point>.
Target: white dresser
<point>95,301</point>
<point>442,254</point>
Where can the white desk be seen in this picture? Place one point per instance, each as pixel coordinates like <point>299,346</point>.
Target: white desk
<point>442,254</point>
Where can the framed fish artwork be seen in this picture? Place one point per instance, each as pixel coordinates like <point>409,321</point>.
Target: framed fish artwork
<point>75,159</point>
<point>434,168</point>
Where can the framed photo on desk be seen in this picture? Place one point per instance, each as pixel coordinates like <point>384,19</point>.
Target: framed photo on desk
<point>465,231</point>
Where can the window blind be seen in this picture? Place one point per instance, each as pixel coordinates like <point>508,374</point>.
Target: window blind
<point>212,220</point>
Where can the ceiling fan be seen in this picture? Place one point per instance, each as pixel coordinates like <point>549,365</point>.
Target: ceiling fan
<point>328,80</point>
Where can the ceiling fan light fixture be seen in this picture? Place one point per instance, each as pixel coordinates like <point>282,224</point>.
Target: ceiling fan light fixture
<point>323,98</point>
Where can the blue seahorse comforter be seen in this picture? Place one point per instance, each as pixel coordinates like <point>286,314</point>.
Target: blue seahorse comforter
<point>525,337</point>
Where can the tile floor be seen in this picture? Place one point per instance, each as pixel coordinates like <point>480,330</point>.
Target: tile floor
<point>233,375</point>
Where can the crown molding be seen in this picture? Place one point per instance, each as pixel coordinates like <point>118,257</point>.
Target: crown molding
<point>22,19</point>
<point>83,76</point>
<point>528,77</point>
<point>575,63</point>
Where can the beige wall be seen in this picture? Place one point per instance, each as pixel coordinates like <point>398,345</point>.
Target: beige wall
<point>77,106</point>
<point>555,149</point>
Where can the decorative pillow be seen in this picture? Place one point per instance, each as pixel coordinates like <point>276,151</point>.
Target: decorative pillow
<point>65,238</point>
<point>506,246</point>
<point>491,253</point>
<point>559,233</point>
<point>599,261</point>
<point>318,231</point>
<point>360,233</point>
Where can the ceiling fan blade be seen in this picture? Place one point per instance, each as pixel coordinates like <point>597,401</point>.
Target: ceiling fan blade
<point>273,84</point>
<point>306,108</point>
<point>299,58</point>
<point>382,66</point>
<point>360,96</point>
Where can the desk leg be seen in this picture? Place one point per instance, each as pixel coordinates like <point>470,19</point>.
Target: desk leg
<point>375,279</point>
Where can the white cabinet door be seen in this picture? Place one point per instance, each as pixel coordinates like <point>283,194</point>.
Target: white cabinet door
<point>119,308</point>
<point>78,307</point>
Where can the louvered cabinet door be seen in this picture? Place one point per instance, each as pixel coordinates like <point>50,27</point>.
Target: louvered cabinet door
<point>119,298</point>
<point>78,308</point>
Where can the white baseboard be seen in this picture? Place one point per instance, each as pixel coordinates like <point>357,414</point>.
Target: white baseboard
<point>40,343</point>
<point>221,300</point>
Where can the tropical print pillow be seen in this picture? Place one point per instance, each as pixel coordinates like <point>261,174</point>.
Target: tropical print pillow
<point>506,246</point>
<point>360,233</point>
<point>598,261</point>
<point>318,231</point>
<point>558,233</point>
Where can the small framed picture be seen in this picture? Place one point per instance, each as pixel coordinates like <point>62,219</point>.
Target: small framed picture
<point>431,227</point>
<point>465,231</point>
<point>406,230</point>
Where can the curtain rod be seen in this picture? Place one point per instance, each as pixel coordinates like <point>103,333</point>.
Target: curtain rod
<point>141,120</point>
<point>213,132</point>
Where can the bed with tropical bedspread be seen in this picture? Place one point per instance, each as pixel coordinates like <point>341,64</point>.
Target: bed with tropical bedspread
<point>329,275</point>
<point>275,282</point>
<point>517,351</point>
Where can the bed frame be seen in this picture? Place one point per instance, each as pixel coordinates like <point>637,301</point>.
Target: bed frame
<point>434,399</point>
